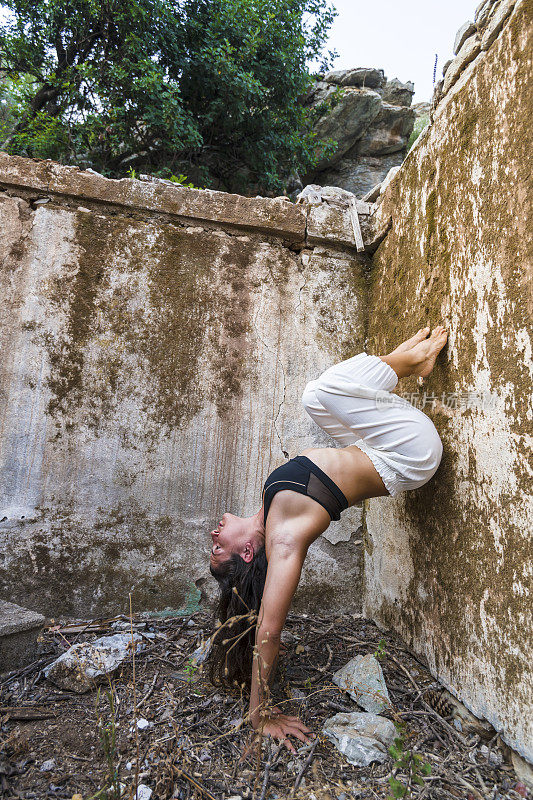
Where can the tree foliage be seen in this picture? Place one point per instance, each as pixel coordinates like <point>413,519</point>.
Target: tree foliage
<point>207,88</point>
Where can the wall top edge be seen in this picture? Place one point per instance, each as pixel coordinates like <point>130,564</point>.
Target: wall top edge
<point>272,216</point>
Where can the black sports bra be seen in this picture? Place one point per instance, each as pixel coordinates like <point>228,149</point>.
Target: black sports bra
<point>301,475</point>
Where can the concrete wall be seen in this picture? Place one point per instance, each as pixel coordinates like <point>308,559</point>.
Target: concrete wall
<point>155,344</point>
<point>449,566</point>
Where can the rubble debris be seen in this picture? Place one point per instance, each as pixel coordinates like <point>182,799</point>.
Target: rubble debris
<point>467,29</point>
<point>199,744</point>
<point>361,736</point>
<point>87,663</point>
<point>143,792</point>
<point>19,629</point>
<point>201,653</point>
<point>362,678</point>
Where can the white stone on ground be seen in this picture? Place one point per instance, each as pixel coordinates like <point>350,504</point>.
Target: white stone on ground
<point>143,792</point>
<point>362,677</point>
<point>87,663</point>
<point>361,737</point>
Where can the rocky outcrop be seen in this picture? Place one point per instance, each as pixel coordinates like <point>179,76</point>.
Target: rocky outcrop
<point>346,121</point>
<point>471,41</point>
<point>359,76</point>
<point>370,120</point>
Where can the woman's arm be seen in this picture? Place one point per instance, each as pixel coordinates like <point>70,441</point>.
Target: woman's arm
<point>284,568</point>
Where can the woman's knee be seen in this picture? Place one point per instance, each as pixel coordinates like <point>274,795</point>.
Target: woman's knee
<point>433,443</point>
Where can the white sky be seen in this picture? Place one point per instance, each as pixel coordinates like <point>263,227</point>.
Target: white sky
<point>400,36</point>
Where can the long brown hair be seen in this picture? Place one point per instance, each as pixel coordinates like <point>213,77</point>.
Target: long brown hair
<point>241,590</point>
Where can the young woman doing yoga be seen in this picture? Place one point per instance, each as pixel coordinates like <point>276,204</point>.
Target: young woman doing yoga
<point>387,446</point>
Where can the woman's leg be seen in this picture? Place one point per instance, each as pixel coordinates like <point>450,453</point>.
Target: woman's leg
<point>352,401</point>
<point>324,419</point>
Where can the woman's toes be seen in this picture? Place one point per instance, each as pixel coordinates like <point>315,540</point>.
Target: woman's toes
<point>436,334</point>
<point>419,336</point>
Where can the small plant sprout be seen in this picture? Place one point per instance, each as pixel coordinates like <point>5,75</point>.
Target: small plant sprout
<point>190,669</point>
<point>411,765</point>
<point>380,652</point>
<point>107,734</point>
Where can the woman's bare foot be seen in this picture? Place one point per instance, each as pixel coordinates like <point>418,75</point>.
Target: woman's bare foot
<point>427,350</point>
<point>409,343</point>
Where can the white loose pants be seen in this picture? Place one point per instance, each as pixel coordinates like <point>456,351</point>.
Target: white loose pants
<point>353,402</point>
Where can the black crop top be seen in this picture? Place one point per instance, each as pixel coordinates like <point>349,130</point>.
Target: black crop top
<point>301,475</point>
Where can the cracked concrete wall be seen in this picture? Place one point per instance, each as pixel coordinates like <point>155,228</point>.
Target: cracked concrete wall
<point>449,566</point>
<point>156,342</point>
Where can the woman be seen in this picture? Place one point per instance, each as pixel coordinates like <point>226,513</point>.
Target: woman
<point>387,447</point>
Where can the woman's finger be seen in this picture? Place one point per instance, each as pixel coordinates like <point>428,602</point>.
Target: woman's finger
<point>298,734</point>
<point>288,744</point>
<point>296,721</point>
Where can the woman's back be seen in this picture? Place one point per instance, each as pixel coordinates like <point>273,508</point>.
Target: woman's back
<point>351,469</point>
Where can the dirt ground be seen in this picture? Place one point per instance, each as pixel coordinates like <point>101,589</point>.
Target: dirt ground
<point>195,745</point>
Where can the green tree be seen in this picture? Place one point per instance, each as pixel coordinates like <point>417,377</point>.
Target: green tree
<point>205,88</point>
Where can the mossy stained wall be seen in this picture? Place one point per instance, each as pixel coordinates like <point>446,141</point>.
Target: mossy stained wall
<point>450,566</point>
<point>151,379</point>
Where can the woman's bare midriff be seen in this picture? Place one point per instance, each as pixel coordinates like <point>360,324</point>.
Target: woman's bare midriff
<point>351,469</point>
<point>297,520</point>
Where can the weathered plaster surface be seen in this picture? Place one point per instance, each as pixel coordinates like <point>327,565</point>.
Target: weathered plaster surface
<point>449,565</point>
<point>151,379</point>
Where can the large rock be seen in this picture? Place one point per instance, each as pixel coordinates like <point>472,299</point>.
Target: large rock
<point>421,109</point>
<point>370,124</point>
<point>315,195</point>
<point>389,132</point>
<point>359,174</point>
<point>358,76</point>
<point>320,92</point>
<point>472,39</point>
<point>360,736</point>
<point>347,121</point>
<point>466,54</point>
<point>483,12</point>
<point>495,22</point>
<point>88,663</point>
<point>466,30</point>
<point>398,93</point>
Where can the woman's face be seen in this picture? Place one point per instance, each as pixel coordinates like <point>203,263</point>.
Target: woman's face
<point>226,538</point>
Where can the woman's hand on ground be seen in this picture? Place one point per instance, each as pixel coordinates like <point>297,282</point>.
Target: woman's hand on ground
<point>281,726</point>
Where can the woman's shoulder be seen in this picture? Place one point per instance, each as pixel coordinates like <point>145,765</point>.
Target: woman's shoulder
<point>295,520</point>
